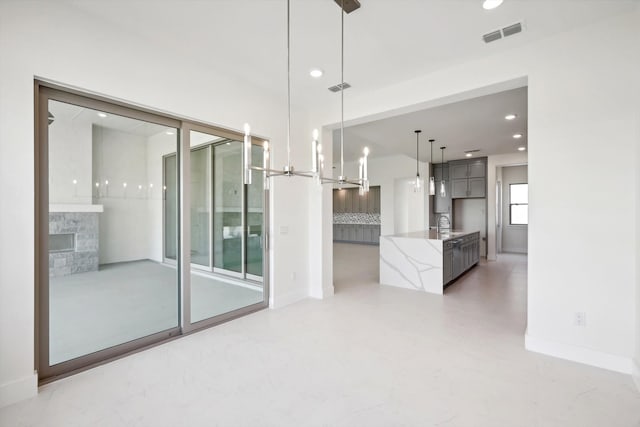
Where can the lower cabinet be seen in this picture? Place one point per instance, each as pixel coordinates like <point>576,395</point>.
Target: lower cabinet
<point>357,233</point>
<point>447,262</point>
<point>459,255</point>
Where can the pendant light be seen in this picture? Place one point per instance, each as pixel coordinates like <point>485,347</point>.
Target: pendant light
<point>443,189</point>
<point>363,170</point>
<point>418,184</point>
<point>432,179</point>
<point>317,159</point>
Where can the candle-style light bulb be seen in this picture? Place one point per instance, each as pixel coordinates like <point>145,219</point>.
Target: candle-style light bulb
<point>247,154</point>
<point>314,152</point>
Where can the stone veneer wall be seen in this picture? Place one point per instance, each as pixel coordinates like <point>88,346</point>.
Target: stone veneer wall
<point>85,256</point>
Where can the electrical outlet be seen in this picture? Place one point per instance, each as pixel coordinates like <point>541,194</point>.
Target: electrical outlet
<point>580,319</point>
<point>293,275</point>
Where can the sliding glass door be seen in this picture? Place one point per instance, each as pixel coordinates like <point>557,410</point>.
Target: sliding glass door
<point>145,229</point>
<point>106,198</point>
<point>220,279</point>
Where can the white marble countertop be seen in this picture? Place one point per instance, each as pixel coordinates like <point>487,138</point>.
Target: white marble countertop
<point>434,235</point>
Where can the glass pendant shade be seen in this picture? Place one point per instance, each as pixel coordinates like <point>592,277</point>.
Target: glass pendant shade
<point>432,186</point>
<point>443,189</point>
<point>417,184</point>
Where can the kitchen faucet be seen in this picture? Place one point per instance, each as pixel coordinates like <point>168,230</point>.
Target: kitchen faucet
<point>439,226</point>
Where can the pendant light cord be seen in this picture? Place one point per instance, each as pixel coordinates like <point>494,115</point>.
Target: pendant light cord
<point>342,91</point>
<point>288,86</point>
<point>417,162</point>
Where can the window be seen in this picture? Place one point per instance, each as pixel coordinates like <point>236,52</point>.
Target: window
<point>518,204</point>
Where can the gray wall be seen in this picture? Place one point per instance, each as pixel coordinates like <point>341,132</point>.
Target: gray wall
<point>514,237</point>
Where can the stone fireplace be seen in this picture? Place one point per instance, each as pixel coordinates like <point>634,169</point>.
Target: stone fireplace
<point>73,239</point>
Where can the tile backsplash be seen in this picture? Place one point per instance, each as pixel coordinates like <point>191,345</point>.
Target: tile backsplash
<point>356,218</point>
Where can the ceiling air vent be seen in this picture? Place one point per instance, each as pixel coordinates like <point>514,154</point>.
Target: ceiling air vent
<point>338,87</point>
<point>512,29</point>
<point>492,36</point>
<point>505,32</point>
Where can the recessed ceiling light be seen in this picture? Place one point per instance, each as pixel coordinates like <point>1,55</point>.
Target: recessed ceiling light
<point>169,132</point>
<point>491,4</point>
<point>469,154</point>
<point>316,73</point>
<point>101,114</point>
<point>510,116</point>
<point>522,148</point>
<point>517,135</point>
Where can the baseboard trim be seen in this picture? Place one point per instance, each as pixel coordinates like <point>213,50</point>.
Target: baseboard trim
<point>283,300</point>
<point>17,390</point>
<point>636,373</point>
<point>579,354</point>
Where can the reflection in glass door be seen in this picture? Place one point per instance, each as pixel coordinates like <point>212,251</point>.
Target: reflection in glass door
<point>106,288</point>
<point>228,238</point>
<point>218,217</point>
<point>120,194</point>
<point>201,206</point>
<point>255,219</point>
<point>170,203</point>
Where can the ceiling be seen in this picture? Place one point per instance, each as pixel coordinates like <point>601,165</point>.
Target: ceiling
<point>386,41</point>
<point>63,112</point>
<point>474,124</point>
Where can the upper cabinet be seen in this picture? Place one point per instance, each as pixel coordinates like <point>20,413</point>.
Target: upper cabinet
<point>348,200</point>
<point>468,178</point>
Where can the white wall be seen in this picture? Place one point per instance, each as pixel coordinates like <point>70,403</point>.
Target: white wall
<point>514,237</point>
<point>399,212</point>
<point>579,85</point>
<point>69,160</point>
<point>121,157</point>
<point>158,145</point>
<point>92,54</point>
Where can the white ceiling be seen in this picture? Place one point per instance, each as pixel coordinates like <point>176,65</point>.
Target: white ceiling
<point>63,112</point>
<point>385,41</point>
<point>474,124</point>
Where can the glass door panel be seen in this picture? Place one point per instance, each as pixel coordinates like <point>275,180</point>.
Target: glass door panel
<point>201,206</point>
<point>255,218</point>
<point>228,238</point>
<point>170,197</point>
<point>107,283</point>
<point>221,289</point>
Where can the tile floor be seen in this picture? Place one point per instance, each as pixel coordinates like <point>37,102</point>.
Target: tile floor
<point>368,356</point>
<point>144,294</point>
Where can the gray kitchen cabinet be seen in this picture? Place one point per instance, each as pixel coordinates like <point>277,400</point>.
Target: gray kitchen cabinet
<point>338,201</point>
<point>477,187</point>
<point>477,168</point>
<point>348,200</point>
<point>459,188</point>
<point>459,255</point>
<point>367,234</point>
<point>459,170</point>
<point>468,178</point>
<point>373,200</point>
<point>447,263</point>
<point>441,172</point>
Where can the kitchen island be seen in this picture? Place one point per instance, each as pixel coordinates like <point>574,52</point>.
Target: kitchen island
<point>427,260</point>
